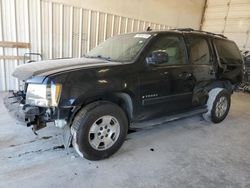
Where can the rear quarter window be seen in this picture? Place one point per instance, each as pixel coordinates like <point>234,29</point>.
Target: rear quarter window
<point>228,52</point>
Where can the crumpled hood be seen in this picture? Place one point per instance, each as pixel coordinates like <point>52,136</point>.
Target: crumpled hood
<point>48,67</point>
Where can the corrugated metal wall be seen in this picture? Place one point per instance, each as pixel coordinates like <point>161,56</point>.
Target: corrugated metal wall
<point>231,18</point>
<point>56,30</point>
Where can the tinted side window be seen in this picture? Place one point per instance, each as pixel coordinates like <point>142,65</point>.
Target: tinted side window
<point>172,46</point>
<point>198,50</point>
<point>228,51</point>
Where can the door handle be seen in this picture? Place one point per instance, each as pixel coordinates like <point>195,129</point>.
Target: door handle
<point>185,75</point>
<point>164,73</point>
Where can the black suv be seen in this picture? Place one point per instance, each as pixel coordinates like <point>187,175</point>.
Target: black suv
<point>128,79</point>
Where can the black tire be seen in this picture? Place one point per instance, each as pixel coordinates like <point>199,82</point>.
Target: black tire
<point>214,117</point>
<point>85,119</point>
<point>213,100</point>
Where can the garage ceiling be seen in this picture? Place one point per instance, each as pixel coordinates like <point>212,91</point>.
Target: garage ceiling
<point>231,18</point>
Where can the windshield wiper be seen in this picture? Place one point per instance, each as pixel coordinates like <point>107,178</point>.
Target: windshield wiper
<point>100,57</point>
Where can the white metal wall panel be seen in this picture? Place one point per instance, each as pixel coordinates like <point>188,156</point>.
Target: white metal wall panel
<point>85,31</point>
<point>77,18</point>
<point>32,24</point>
<point>9,28</point>
<point>2,62</point>
<point>67,31</point>
<point>45,30</point>
<point>231,18</point>
<point>93,29</point>
<point>101,28</point>
<point>56,30</point>
<point>108,26</point>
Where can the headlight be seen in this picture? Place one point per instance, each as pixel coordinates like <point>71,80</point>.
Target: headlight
<point>43,95</point>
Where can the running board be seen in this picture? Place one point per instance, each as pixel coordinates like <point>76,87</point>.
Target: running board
<point>159,121</point>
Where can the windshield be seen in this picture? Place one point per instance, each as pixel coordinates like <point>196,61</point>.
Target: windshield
<point>122,48</point>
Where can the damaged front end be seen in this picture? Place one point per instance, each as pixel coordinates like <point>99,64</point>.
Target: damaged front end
<point>37,117</point>
<point>24,113</point>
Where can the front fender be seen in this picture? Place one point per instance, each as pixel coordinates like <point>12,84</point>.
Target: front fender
<point>78,94</point>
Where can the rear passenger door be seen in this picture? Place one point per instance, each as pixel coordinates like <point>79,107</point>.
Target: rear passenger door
<point>203,62</point>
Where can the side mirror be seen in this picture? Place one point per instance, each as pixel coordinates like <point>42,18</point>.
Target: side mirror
<point>157,57</point>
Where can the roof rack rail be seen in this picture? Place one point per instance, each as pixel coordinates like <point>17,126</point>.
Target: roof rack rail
<point>193,30</point>
<point>184,29</point>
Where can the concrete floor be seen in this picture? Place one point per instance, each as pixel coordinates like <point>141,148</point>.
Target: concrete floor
<point>186,153</point>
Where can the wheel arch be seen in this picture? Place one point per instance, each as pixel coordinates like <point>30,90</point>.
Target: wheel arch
<point>225,84</point>
<point>202,89</point>
<point>122,99</point>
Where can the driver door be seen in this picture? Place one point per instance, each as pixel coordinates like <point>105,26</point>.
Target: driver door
<point>167,83</point>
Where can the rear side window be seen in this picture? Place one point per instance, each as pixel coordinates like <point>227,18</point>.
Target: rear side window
<point>228,51</point>
<point>199,52</point>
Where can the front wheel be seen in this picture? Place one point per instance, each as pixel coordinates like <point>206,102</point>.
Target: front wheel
<point>218,105</point>
<point>99,130</point>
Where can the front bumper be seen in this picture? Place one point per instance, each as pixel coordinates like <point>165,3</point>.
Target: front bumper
<point>24,114</point>
<point>13,103</point>
<point>34,116</point>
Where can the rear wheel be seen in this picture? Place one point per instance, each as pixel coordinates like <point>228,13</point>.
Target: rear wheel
<point>218,105</point>
<point>99,130</point>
